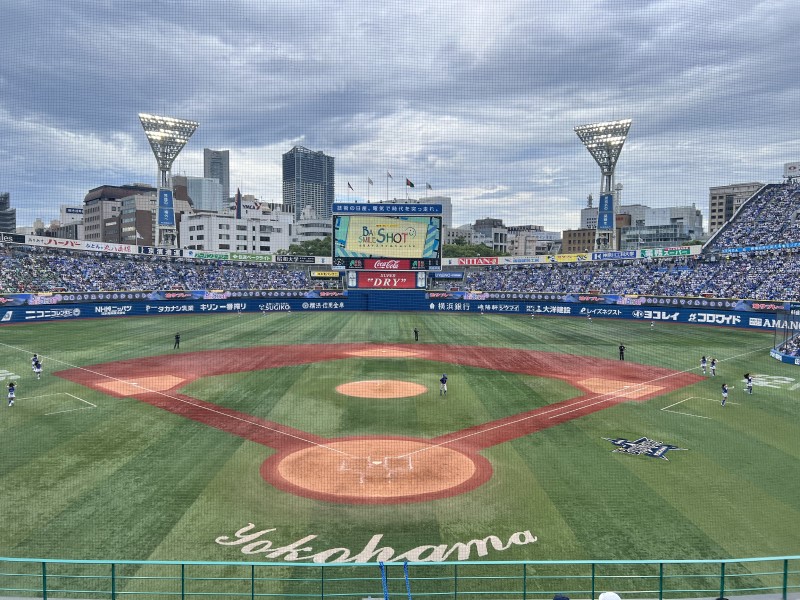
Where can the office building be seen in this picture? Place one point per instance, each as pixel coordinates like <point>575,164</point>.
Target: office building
<point>725,200</point>
<point>8,215</point>
<point>216,165</point>
<point>102,205</point>
<point>308,182</point>
<point>206,194</point>
<point>255,231</point>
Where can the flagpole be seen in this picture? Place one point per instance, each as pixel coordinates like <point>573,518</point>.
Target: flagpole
<point>368,186</point>
<point>387,187</point>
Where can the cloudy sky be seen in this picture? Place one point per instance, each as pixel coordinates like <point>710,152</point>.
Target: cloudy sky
<point>479,99</point>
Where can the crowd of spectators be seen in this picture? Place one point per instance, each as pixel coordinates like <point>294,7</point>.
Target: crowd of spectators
<point>770,217</point>
<point>791,347</point>
<point>44,270</point>
<point>760,276</point>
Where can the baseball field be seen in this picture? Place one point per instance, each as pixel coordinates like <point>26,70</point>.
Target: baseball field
<point>326,437</point>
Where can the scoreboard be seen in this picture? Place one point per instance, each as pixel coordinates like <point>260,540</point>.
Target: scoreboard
<point>406,236</point>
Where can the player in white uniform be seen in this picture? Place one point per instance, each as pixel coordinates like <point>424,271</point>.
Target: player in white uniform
<point>703,363</point>
<point>443,385</point>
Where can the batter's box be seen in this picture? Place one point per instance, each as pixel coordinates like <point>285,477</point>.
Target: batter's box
<point>695,406</point>
<point>53,404</point>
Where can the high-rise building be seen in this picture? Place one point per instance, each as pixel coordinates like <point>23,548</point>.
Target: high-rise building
<point>308,182</point>
<point>724,200</point>
<point>8,215</point>
<point>217,165</point>
<point>206,193</point>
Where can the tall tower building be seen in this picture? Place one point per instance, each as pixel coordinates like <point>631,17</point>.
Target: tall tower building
<point>217,165</point>
<point>8,215</point>
<point>308,181</point>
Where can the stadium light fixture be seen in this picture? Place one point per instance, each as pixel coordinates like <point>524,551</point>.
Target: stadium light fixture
<point>604,142</point>
<point>167,137</point>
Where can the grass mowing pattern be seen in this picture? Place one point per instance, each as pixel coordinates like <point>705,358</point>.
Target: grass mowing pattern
<point>125,480</point>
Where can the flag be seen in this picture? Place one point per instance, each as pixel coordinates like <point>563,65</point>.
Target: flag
<point>369,181</point>
<point>139,235</point>
<point>408,183</point>
<point>428,186</point>
<point>350,187</point>
<point>389,175</point>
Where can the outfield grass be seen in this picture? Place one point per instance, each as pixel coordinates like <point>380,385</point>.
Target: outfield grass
<point>123,479</point>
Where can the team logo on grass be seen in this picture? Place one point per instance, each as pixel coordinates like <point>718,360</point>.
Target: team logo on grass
<point>644,446</point>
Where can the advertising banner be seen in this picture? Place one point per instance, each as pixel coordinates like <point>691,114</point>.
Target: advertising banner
<point>325,274</point>
<point>605,221</point>
<point>166,210</point>
<point>605,213</point>
<point>249,257</point>
<point>663,252</point>
<point>288,258</point>
<point>13,238</point>
<point>387,280</point>
<point>346,208</point>
<point>476,261</point>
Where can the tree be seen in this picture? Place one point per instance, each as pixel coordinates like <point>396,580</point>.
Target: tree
<point>315,247</point>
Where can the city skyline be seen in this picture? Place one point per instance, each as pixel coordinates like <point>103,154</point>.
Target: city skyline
<point>478,101</point>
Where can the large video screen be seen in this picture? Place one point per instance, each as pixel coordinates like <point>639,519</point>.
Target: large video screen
<point>381,236</point>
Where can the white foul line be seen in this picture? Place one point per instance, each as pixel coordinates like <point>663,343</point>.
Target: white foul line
<point>206,408</point>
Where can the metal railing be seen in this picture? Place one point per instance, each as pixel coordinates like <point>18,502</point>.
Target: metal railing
<point>775,577</point>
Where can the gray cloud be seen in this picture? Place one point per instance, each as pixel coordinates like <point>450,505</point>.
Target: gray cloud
<point>479,99</point>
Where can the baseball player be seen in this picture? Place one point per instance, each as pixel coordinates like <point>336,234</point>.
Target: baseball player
<point>748,381</point>
<point>703,364</point>
<point>724,393</point>
<point>12,392</point>
<point>443,385</point>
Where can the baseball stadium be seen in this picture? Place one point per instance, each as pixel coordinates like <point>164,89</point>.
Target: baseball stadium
<point>279,381</point>
<point>291,438</point>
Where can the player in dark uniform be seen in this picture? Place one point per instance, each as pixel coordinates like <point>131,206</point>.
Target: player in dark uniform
<point>713,367</point>
<point>12,392</point>
<point>34,360</point>
<point>724,393</point>
<point>416,334</point>
<point>703,363</point>
<point>37,368</point>
<point>621,351</point>
<point>748,381</point>
<point>177,343</point>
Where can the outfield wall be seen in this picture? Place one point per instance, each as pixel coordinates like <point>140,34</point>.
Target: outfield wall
<point>61,307</point>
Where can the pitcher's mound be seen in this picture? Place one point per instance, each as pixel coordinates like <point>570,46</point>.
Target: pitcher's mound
<point>381,388</point>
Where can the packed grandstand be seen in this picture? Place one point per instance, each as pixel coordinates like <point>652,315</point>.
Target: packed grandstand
<point>756,255</point>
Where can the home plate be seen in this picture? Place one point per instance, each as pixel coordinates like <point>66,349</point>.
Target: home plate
<point>619,389</point>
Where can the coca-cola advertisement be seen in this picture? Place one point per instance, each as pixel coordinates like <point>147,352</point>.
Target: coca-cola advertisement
<point>387,264</point>
<point>387,280</point>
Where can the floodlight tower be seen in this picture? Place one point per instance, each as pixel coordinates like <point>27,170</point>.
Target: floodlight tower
<point>167,137</point>
<point>604,142</point>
